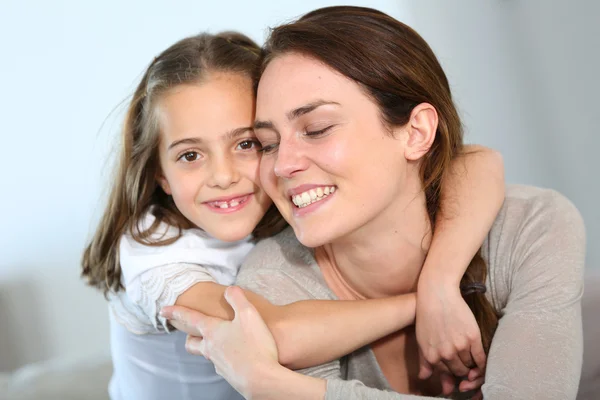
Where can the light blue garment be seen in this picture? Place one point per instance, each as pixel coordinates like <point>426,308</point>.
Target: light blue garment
<point>157,367</point>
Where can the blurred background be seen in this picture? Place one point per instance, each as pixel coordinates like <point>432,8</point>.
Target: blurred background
<point>524,74</point>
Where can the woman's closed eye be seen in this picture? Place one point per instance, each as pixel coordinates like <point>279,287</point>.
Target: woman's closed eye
<point>319,132</point>
<point>269,148</point>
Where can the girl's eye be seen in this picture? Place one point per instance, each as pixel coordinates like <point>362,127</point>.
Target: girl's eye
<point>189,156</point>
<point>249,144</point>
<point>319,132</point>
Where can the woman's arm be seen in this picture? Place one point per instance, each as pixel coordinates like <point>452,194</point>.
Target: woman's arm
<point>472,195</point>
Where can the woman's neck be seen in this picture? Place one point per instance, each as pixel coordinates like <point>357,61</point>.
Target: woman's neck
<point>385,257</point>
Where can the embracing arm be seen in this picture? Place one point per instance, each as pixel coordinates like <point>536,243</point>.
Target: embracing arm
<point>245,354</point>
<point>311,332</point>
<point>472,195</point>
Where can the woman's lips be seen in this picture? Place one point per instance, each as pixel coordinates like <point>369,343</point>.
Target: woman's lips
<point>310,202</point>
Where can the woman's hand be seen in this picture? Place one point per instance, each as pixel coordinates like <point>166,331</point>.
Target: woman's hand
<point>448,335</point>
<point>241,350</point>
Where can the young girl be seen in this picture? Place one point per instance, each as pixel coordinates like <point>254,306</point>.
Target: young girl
<point>187,206</point>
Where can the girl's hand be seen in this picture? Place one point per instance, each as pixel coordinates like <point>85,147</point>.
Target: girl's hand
<point>241,350</point>
<point>448,334</point>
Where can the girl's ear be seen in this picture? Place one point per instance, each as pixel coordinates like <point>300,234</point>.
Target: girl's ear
<point>164,184</point>
<point>421,129</point>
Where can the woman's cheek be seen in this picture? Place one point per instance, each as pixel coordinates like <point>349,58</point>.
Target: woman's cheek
<point>267,174</point>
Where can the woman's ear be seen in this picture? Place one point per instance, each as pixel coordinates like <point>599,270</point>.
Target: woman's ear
<point>421,129</point>
<point>164,184</point>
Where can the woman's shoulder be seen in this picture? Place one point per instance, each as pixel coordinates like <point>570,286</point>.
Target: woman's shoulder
<point>529,211</point>
<point>280,251</point>
<point>537,238</point>
<point>539,198</point>
<point>283,270</point>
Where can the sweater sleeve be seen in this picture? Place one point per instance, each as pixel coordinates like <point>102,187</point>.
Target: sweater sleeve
<point>538,261</point>
<point>355,390</point>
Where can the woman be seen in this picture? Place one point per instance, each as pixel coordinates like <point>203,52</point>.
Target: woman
<point>354,100</point>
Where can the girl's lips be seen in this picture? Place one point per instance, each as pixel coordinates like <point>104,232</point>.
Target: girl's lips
<point>230,205</point>
<point>228,198</point>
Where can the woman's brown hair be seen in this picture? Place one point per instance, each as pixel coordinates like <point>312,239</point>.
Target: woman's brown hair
<point>398,70</point>
<point>135,190</point>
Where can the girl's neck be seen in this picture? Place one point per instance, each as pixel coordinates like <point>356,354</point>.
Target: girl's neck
<point>383,258</point>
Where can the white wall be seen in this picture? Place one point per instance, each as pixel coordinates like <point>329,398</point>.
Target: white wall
<point>525,76</point>
<point>524,87</point>
<point>65,65</point>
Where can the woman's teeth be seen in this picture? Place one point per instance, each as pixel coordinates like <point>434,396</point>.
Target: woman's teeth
<point>312,196</point>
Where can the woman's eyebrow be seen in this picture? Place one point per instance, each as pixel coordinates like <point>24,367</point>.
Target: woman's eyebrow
<point>258,124</point>
<point>305,109</point>
<point>295,113</point>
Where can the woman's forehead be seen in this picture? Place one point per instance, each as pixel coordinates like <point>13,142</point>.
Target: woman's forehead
<point>293,80</point>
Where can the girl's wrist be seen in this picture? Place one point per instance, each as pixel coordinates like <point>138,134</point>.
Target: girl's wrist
<point>439,277</point>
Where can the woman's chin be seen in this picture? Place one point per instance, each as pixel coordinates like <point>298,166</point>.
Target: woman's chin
<point>309,238</point>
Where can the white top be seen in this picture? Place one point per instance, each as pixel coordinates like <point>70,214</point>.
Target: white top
<point>150,361</point>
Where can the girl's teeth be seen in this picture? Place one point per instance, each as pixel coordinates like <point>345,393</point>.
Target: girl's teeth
<point>232,203</point>
<point>312,196</point>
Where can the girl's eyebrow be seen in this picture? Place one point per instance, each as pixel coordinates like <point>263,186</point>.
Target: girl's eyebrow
<point>230,135</point>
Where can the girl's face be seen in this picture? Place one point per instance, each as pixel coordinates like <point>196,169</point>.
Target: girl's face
<point>209,155</point>
<point>329,163</point>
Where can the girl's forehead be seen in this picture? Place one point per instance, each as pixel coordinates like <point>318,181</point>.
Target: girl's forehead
<point>205,111</point>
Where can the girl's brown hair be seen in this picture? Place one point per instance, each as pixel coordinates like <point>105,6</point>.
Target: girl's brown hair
<point>398,70</point>
<point>135,190</point>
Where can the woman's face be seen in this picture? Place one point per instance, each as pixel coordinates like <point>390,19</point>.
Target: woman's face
<point>330,165</point>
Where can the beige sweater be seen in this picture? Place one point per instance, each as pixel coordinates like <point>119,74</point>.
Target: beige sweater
<point>535,255</point>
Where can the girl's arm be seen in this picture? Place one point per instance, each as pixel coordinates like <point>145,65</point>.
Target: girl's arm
<point>312,332</point>
<point>244,353</point>
<point>472,195</point>
<point>308,332</point>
